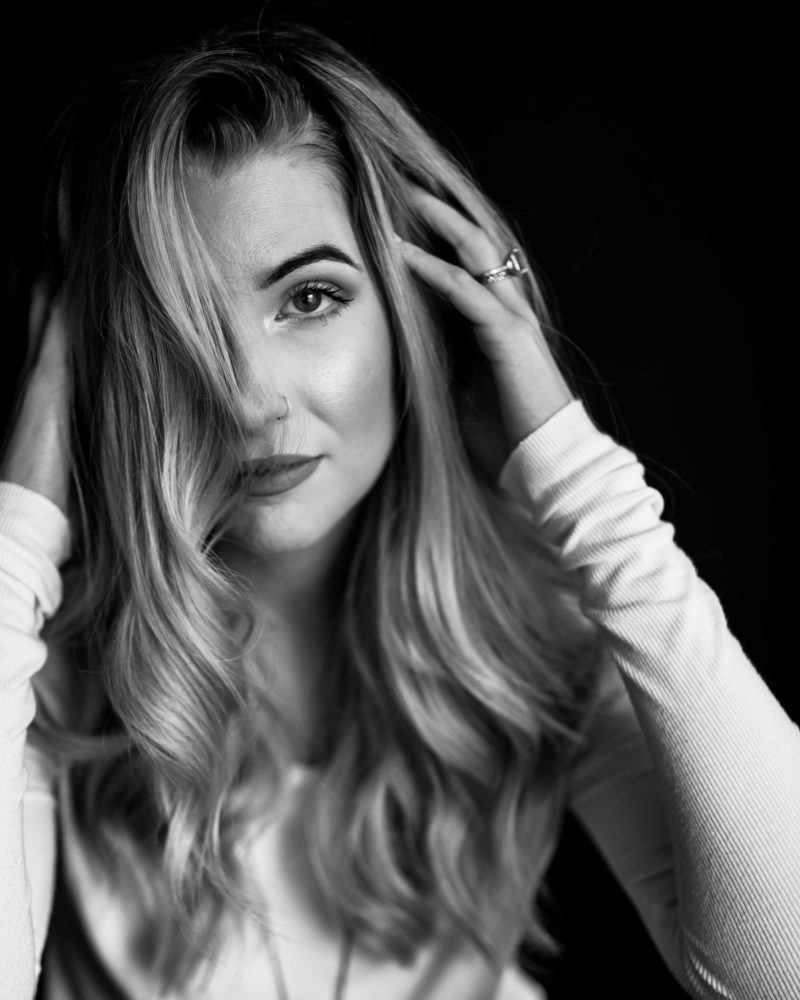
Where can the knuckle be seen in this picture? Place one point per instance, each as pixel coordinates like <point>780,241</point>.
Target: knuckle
<point>459,281</point>
<point>466,238</point>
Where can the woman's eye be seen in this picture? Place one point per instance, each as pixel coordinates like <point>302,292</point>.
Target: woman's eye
<point>314,300</point>
<point>308,301</point>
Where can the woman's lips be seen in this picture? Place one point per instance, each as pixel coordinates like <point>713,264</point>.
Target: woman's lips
<point>277,474</point>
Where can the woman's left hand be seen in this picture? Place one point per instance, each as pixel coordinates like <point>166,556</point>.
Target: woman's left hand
<point>528,385</point>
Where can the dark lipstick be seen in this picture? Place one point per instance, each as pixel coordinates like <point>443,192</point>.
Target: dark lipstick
<point>278,473</point>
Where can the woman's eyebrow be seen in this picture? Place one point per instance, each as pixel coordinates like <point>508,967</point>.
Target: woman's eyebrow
<point>321,251</point>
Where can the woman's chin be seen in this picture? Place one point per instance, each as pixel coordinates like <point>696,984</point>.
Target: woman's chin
<point>270,536</point>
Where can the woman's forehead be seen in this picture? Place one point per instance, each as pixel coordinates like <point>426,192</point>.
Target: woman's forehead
<point>268,206</point>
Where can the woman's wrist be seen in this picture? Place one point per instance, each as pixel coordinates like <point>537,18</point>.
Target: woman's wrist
<point>535,390</point>
<point>34,459</point>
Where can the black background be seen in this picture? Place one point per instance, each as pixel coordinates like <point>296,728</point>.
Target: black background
<point>643,155</point>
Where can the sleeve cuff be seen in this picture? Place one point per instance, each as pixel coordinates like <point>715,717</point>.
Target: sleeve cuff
<point>556,449</point>
<point>34,521</point>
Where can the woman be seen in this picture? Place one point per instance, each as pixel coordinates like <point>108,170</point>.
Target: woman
<point>357,600</point>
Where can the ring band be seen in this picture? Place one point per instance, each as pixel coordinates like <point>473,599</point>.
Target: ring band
<point>512,267</point>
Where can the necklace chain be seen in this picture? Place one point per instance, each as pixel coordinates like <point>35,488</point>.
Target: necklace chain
<point>340,983</point>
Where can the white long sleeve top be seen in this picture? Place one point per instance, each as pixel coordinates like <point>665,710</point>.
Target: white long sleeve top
<point>689,782</point>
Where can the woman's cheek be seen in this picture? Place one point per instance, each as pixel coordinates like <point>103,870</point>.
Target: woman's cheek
<point>355,383</point>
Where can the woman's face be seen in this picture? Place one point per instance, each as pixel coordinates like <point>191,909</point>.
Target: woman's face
<point>316,341</point>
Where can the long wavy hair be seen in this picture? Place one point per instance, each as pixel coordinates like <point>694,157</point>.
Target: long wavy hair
<point>462,669</point>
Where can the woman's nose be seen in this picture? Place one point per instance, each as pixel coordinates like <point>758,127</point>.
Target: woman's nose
<point>264,402</point>
<point>265,425</point>
<point>262,377</point>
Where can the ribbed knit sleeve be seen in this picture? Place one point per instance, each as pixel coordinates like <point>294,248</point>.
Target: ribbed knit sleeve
<point>34,540</point>
<point>709,775</point>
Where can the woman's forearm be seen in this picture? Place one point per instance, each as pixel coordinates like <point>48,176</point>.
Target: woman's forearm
<point>34,540</point>
<point>726,754</point>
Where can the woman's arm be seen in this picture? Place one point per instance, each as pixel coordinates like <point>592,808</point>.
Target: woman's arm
<point>726,756</point>
<point>694,799</point>
<point>34,540</point>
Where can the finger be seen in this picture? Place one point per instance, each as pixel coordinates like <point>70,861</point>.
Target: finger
<point>38,307</point>
<point>497,327</point>
<point>474,249</point>
<point>54,337</point>
<point>37,314</point>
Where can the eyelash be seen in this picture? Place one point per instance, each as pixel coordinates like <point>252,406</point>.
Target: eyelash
<point>332,291</point>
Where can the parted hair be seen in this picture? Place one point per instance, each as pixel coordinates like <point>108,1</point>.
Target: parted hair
<point>461,671</point>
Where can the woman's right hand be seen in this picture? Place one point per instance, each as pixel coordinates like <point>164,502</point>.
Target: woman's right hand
<point>37,450</point>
